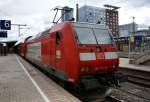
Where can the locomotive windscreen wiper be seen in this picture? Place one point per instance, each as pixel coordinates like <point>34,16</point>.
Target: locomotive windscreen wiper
<point>76,37</point>
<point>95,36</point>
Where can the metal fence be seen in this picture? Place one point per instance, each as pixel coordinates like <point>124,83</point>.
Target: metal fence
<point>133,49</point>
<point>139,50</point>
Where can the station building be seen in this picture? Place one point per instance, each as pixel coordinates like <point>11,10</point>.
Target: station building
<point>6,46</point>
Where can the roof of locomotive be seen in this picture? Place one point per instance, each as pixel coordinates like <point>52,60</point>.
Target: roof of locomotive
<point>22,40</point>
<point>76,24</point>
<point>89,25</point>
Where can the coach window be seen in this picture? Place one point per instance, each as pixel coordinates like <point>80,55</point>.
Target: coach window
<point>58,37</point>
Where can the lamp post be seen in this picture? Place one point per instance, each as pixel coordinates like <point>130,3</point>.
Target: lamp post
<point>129,48</point>
<point>130,37</point>
<point>19,27</point>
<point>23,28</point>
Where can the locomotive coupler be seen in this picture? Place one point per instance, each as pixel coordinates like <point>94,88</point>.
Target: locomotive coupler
<point>90,83</point>
<point>119,78</point>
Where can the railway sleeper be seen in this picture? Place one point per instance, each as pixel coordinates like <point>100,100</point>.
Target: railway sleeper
<point>139,82</point>
<point>113,99</point>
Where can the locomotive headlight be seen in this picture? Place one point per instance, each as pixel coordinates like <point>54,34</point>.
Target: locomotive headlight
<point>87,68</point>
<point>87,56</point>
<point>82,69</point>
<point>111,55</point>
<point>114,66</point>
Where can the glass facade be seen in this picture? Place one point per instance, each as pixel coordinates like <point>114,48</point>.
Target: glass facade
<point>92,15</point>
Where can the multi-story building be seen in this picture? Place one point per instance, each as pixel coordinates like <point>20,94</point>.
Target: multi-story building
<point>92,14</point>
<point>99,15</point>
<point>127,29</point>
<point>112,21</point>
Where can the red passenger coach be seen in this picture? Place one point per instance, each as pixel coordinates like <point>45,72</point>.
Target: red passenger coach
<point>78,53</point>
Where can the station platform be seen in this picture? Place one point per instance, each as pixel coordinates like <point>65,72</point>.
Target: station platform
<point>21,82</point>
<point>124,63</point>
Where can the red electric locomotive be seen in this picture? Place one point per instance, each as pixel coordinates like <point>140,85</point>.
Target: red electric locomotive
<point>79,53</point>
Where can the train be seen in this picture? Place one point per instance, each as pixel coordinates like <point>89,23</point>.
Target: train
<point>82,54</point>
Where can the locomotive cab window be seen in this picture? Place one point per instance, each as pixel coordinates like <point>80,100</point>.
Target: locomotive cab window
<point>88,34</point>
<point>102,36</point>
<point>85,35</point>
<point>58,37</point>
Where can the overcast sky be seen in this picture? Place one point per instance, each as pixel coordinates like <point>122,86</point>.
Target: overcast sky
<point>37,14</point>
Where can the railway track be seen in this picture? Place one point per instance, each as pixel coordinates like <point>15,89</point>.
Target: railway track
<point>90,96</point>
<point>140,89</point>
<point>111,98</point>
<point>141,78</point>
<point>139,96</point>
<point>122,95</point>
<point>99,98</point>
<point>126,96</point>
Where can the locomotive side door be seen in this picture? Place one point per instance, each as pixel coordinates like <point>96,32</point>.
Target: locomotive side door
<point>59,51</point>
<point>55,50</point>
<point>58,45</point>
<point>52,50</point>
